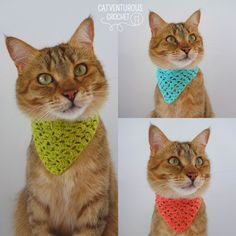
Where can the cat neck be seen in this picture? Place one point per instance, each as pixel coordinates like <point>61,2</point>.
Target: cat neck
<point>194,69</point>
<point>59,143</point>
<point>61,123</point>
<point>161,198</point>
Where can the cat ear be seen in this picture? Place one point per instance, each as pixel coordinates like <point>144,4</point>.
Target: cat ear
<point>194,19</point>
<point>84,34</point>
<point>156,139</point>
<point>20,52</point>
<point>202,138</point>
<point>156,23</point>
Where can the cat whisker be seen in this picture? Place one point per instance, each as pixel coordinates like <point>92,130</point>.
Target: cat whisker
<point>45,115</point>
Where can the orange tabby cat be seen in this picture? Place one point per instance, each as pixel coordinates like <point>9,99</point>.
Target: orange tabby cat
<point>178,170</point>
<point>65,82</point>
<point>179,46</point>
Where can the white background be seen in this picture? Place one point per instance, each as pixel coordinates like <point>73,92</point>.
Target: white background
<point>43,23</point>
<point>136,199</point>
<point>137,73</point>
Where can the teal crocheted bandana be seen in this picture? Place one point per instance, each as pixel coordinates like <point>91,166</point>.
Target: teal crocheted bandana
<point>59,143</point>
<point>173,82</point>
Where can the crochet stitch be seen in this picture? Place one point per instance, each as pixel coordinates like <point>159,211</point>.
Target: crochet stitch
<point>59,143</point>
<point>173,82</point>
<point>178,213</point>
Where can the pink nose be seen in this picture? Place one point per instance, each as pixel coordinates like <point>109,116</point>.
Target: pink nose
<point>186,49</point>
<point>70,94</point>
<point>192,175</point>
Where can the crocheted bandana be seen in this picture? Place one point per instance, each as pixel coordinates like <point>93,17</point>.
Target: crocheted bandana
<point>59,143</point>
<point>178,213</point>
<point>173,82</point>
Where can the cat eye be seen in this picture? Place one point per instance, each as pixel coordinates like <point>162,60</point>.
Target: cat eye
<point>171,39</point>
<point>45,79</point>
<point>199,161</point>
<point>174,161</point>
<point>192,37</point>
<point>80,69</point>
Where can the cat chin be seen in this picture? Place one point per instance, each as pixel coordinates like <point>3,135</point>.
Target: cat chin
<point>184,63</point>
<point>74,114</point>
<point>181,64</point>
<point>184,191</point>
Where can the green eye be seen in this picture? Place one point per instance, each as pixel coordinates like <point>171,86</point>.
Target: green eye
<point>199,161</point>
<point>174,161</point>
<point>192,37</point>
<point>171,39</point>
<point>45,79</point>
<point>80,69</point>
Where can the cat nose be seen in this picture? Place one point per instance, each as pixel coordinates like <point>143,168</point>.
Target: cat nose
<point>70,94</point>
<point>186,49</point>
<point>192,175</point>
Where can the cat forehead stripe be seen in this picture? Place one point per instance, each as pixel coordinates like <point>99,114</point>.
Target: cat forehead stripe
<point>186,150</point>
<point>180,29</point>
<point>57,57</point>
<point>59,54</point>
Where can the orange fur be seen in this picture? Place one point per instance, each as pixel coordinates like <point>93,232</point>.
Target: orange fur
<point>170,180</point>
<point>193,101</point>
<point>83,200</point>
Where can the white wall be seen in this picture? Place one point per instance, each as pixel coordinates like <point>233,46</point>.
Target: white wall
<point>136,199</point>
<point>43,23</point>
<point>137,73</point>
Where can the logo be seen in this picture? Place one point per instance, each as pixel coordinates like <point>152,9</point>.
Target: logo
<point>117,16</point>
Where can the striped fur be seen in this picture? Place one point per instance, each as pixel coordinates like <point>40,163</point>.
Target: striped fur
<point>165,178</point>
<point>193,101</point>
<point>83,200</point>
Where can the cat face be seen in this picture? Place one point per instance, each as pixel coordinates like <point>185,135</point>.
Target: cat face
<point>175,46</point>
<point>177,169</point>
<point>62,82</point>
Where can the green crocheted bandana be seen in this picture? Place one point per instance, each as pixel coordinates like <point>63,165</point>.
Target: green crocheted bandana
<point>59,143</point>
<point>173,82</point>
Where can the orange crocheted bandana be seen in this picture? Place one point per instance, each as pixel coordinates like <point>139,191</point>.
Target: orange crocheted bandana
<point>178,213</point>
